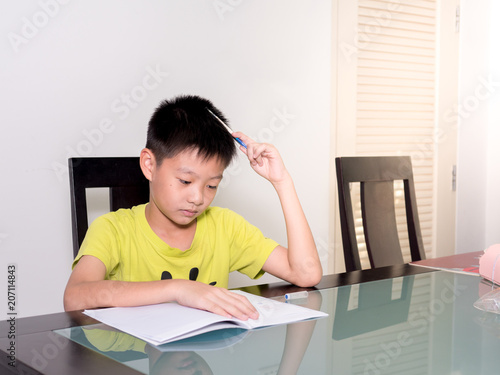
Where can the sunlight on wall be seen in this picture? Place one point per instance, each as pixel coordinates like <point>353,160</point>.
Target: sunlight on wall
<point>492,234</point>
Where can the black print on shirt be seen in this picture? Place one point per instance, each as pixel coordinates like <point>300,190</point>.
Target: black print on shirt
<point>193,275</point>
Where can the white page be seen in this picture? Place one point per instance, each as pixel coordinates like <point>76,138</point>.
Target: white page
<point>272,312</point>
<point>158,323</point>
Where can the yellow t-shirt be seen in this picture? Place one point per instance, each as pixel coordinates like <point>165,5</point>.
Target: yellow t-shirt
<point>131,251</point>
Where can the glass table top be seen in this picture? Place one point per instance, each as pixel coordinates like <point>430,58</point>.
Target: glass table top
<point>420,324</point>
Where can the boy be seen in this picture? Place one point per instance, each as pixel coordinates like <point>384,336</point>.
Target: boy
<point>177,247</point>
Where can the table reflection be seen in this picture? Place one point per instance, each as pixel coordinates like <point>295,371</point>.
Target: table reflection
<point>177,358</point>
<point>421,324</point>
<point>376,308</point>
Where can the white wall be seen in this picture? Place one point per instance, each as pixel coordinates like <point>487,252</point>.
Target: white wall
<point>478,201</point>
<point>492,235</point>
<point>81,78</point>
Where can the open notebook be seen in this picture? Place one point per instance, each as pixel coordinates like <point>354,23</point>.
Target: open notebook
<point>167,322</point>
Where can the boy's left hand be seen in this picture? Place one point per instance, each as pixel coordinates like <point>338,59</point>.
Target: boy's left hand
<point>264,159</point>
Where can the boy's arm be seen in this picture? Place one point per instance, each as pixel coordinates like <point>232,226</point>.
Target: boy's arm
<point>88,289</point>
<point>299,264</point>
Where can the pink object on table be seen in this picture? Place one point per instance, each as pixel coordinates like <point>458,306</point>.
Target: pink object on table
<point>489,264</point>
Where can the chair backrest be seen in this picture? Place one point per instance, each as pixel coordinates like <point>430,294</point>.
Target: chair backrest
<point>122,175</point>
<point>376,176</point>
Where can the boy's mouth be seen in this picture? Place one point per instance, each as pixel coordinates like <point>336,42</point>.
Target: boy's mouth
<point>189,213</point>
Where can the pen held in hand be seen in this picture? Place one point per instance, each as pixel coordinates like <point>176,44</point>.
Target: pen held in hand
<point>228,129</point>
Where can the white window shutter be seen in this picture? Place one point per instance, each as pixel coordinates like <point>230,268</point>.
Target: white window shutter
<point>396,95</point>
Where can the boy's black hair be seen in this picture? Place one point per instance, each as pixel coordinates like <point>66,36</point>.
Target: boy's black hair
<point>184,123</point>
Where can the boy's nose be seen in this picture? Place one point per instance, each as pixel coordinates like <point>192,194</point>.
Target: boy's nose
<point>196,197</point>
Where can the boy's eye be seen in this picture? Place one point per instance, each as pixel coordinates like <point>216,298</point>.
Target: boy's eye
<point>184,182</point>
<point>212,187</point>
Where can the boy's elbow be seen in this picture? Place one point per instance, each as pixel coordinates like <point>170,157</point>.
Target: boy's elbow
<point>310,273</point>
<point>316,279</point>
<point>68,301</point>
<point>68,305</point>
<point>310,279</point>
<point>316,275</point>
<point>71,300</point>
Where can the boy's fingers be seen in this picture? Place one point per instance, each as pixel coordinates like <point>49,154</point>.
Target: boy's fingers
<point>257,153</point>
<point>216,309</point>
<point>251,311</point>
<point>225,303</point>
<point>239,306</point>
<point>216,300</point>
<point>245,138</point>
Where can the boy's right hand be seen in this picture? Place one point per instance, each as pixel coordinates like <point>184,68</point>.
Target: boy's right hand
<point>87,289</point>
<point>210,298</point>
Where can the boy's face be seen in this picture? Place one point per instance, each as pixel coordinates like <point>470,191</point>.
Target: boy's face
<point>182,187</point>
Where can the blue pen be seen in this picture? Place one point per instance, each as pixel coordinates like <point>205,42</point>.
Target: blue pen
<point>296,295</point>
<point>228,129</point>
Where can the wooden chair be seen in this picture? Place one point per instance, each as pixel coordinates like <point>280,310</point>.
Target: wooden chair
<point>376,176</point>
<point>122,175</point>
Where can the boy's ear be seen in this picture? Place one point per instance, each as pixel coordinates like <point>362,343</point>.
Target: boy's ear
<point>148,162</point>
